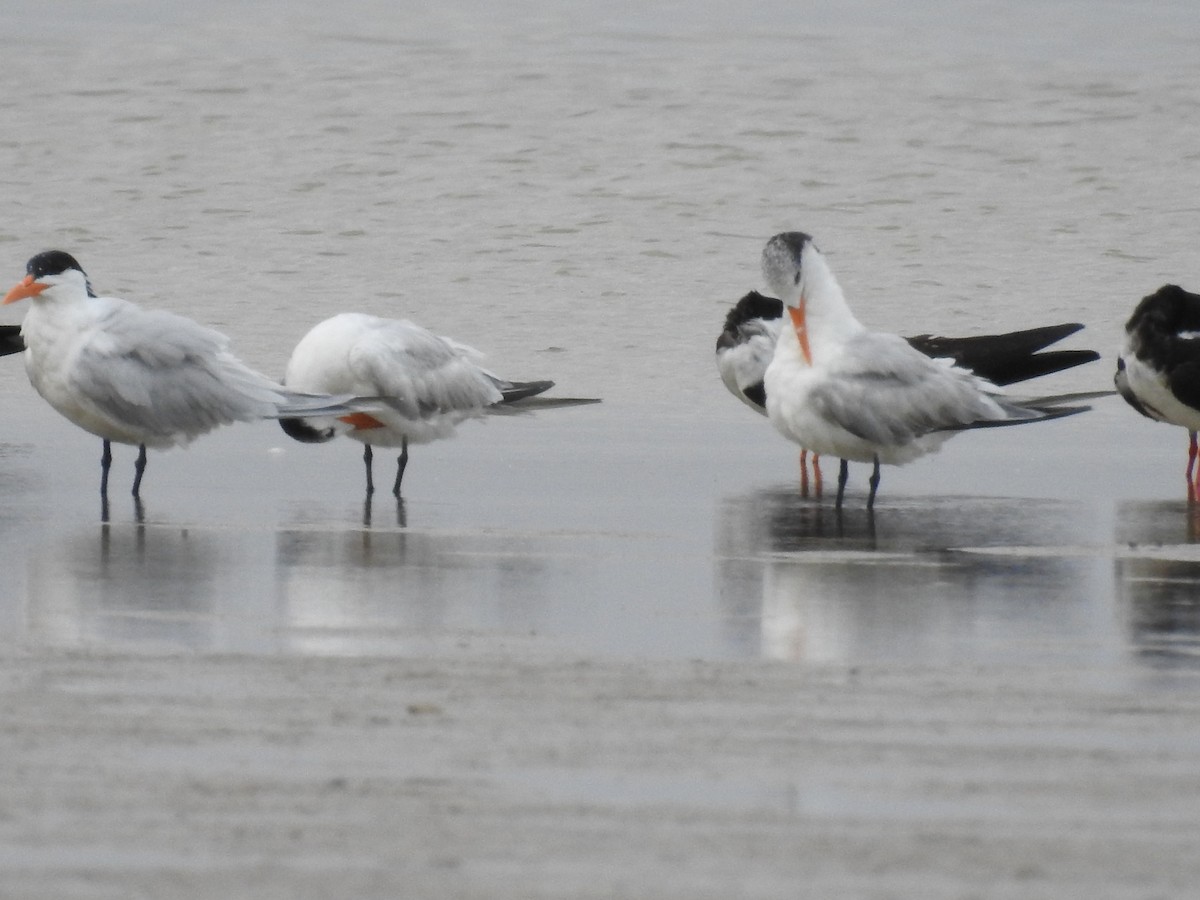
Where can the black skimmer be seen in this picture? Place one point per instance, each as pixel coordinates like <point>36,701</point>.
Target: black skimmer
<point>1158,369</point>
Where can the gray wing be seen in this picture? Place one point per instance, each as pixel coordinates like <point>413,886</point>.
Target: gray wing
<point>167,375</point>
<point>884,391</point>
<point>421,374</point>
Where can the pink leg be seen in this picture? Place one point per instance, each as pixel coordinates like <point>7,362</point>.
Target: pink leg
<point>803,473</point>
<point>817,473</point>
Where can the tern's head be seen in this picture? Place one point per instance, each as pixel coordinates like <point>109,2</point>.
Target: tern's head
<point>47,270</point>
<point>783,261</point>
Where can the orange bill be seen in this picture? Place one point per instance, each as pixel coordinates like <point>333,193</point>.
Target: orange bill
<point>361,421</point>
<point>26,287</point>
<point>797,314</point>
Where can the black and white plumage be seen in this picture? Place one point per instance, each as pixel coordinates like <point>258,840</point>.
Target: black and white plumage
<point>1158,369</point>
<point>149,378</point>
<point>747,344</point>
<point>838,389</point>
<point>10,340</point>
<point>426,385</point>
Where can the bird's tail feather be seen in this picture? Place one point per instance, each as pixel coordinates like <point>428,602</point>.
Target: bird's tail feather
<point>1026,415</point>
<point>1039,409</point>
<point>536,404</point>
<point>1058,399</point>
<point>513,391</point>
<point>321,405</point>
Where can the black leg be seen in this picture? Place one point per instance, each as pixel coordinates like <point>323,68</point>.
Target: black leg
<point>368,456</point>
<point>843,477</point>
<point>874,484</point>
<point>401,463</point>
<point>105,465</point>
<point>139,468</point>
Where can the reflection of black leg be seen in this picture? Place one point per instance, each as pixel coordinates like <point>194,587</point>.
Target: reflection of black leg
<point>139,467</point>
<point>874,484</point>
<point>1191,483</point>
<point>400,464</point>
<point>368,456</point>
<point>843,477</point>
<point>105,465</point>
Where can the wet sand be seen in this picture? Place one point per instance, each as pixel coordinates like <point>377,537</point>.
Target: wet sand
<point>733,693</point>
<point>486,769</point>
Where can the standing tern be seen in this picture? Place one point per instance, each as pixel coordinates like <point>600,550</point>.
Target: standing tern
<point>148,378</point>
<point>1158,369</point>
<point>838,389</point>
<point>747,344</point>
<point>425,385</point>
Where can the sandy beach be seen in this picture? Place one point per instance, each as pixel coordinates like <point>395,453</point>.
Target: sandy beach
<point>487,770</point>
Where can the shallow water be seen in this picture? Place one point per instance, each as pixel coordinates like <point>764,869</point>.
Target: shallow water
<point>547,529</point>
<point>581,194</point>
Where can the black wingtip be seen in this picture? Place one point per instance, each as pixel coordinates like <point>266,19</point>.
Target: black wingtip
<point>10,340</point>
<point>1011,357</point>
<point>1044,364</point>
<point>519,390</point>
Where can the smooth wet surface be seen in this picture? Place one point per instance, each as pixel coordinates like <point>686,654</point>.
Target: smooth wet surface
<point>682,546</point>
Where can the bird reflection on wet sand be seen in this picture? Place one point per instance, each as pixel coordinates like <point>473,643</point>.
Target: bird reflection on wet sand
<point>139,510</point>
<point>856,588</point>
<point>1158,583</point>
<point>157,587</point>
<point>401,513</point>
<point>780,519</point>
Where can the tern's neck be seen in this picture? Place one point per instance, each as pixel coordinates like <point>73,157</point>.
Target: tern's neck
<point>57,310</point>
<point>826,312</point>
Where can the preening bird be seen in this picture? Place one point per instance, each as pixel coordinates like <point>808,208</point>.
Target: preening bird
<point>425,385</point>
<point>1158,369</point>
<point>746,347</point>
<point>836,388</point>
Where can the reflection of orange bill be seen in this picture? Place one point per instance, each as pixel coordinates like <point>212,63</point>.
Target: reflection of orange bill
<point>361,420</point>
<point>797,315</point>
